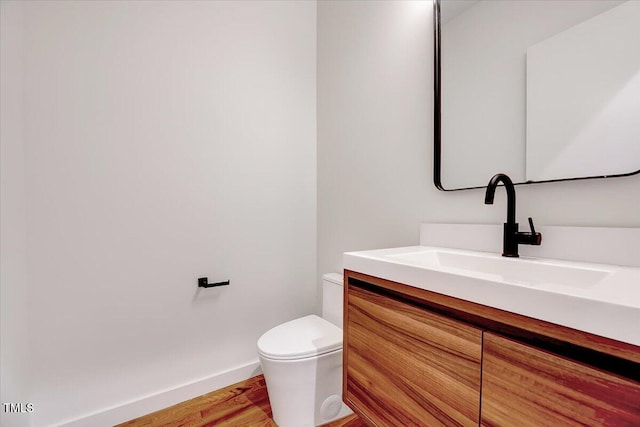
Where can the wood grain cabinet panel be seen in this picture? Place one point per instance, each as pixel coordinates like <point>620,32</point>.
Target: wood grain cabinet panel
<point>524,386</point>
<point>406,366</point>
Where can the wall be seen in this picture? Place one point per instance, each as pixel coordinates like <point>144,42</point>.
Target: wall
<point>375,141</point>
<point>164,141</point>
<point>13,253</point>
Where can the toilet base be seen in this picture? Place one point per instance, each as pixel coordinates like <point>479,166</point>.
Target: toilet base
<point>305,392</point>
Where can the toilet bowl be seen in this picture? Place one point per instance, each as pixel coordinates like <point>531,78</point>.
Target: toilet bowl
<point>302,364</point>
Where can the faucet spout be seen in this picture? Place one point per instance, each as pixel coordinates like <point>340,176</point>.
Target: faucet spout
<point>511,237</point>
<point>511,195</point>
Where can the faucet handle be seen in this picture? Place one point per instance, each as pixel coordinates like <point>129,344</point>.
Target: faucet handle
<point>536,238</point>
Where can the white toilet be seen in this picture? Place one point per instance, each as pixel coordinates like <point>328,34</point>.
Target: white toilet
<point>302,363</point>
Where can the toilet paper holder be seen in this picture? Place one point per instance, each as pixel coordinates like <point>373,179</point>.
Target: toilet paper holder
<point>203,282</point>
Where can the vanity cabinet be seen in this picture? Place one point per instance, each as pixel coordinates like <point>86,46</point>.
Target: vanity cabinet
<point>407,366</point>
<point>416,358</point>
<point>522,385</point>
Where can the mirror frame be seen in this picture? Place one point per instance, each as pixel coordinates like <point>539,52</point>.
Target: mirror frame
<point>437,130</point>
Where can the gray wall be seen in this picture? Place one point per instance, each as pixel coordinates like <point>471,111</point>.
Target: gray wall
<point>375,141</point>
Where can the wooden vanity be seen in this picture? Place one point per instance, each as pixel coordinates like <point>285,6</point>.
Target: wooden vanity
<point>413,357</point>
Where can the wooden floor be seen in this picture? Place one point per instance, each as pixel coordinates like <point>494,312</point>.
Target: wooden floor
<point>242,404</point>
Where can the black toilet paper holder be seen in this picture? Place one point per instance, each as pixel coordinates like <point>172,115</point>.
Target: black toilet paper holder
<point>203,282</point>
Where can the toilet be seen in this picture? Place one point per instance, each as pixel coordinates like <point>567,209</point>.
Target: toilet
<point>302,363</point>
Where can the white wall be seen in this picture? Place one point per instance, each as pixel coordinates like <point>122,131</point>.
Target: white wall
<point>164,141</point>
<point>375,142</point>
<point>14,368</point>
<point>374,125</point>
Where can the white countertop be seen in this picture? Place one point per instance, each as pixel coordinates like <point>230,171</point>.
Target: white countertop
<point>610,307</point>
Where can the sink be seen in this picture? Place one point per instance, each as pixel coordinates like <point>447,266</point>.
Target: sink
<point>518,271</point>
<point>583,286</point>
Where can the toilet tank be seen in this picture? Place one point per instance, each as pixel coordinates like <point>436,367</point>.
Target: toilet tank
<point>332,298</point>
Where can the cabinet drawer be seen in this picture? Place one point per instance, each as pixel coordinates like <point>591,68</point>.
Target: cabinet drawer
<point>524,386</point>
<point>408,366</point>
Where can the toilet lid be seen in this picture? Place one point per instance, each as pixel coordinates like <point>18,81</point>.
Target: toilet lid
<point>300,338</point>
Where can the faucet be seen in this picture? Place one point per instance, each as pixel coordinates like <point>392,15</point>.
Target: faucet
<point>511,237</point>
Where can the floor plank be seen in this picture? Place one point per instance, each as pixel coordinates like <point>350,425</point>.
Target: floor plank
<point>243,404</point>
<point>350,421</point>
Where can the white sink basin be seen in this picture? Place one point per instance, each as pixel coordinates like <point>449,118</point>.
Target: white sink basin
<point>517,271</point>
<point>602,299</point>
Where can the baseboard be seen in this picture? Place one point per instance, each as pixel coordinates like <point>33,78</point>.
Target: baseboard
<point>163,399</point>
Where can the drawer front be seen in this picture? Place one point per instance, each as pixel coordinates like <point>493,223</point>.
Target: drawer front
<point>406,366</point>
<point>524,386</point>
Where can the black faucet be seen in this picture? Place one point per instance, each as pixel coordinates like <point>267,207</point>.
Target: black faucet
<point>512,237</point>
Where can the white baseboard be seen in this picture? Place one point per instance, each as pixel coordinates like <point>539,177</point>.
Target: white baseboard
<point>163,399</point>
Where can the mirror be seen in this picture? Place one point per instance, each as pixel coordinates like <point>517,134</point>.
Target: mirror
<point>539,90</point>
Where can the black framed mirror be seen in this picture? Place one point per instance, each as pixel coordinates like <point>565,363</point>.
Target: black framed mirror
<point>540,90</point>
